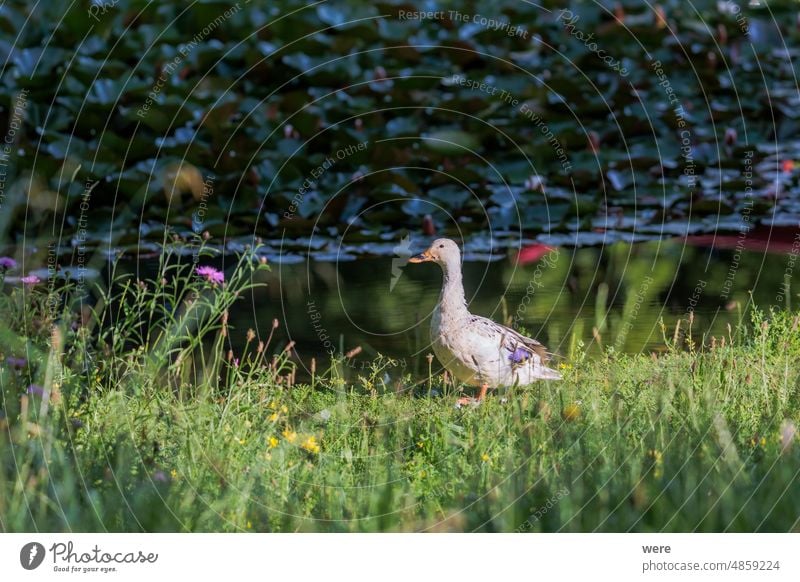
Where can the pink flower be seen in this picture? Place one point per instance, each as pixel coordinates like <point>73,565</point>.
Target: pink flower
<point>7,263</point>
<point>31,280</point>
<point>210,274</point>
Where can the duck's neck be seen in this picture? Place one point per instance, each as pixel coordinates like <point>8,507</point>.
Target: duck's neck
<point>452,302</point>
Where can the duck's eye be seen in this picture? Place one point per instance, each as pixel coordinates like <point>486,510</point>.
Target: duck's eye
<point>441,246</point>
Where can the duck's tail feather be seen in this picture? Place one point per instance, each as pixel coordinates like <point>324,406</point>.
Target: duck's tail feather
<point>545,373</point>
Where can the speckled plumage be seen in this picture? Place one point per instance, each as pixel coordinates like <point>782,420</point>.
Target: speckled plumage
<point>476,350</point>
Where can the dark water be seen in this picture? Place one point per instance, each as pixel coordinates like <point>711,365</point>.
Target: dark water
<point>615,296</point>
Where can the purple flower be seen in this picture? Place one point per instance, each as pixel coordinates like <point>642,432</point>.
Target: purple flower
<point>210,274</point>
<point>160,477</point>
<point>31,280</point>
<point>17,363</point>
<point>519,355</point>
<point>35,390</point>
<point>7,263</point>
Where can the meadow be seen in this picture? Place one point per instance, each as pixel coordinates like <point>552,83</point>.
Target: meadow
<point>133,413</point>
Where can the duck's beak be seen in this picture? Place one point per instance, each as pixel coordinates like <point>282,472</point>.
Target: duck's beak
<point>423,257</point>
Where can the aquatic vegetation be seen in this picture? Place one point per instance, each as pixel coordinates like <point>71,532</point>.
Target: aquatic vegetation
<point>582,119</point>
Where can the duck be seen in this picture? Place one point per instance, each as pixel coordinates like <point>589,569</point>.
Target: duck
<point>477,351</point>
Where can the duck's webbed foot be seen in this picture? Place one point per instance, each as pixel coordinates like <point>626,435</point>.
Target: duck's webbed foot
<point>464,400</point>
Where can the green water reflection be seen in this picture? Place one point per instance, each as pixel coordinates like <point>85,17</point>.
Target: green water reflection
<point>613,296</point>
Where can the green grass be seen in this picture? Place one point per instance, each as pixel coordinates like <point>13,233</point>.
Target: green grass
<point>145,424</point>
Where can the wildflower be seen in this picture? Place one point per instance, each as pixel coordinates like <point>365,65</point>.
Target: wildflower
<point>210,274</point>
<point>273,417</point>
<point>7,263</point>
<point>35,390</point>
<point>160,477</point>
<point>289,435</point>
<point>31,280</point>
<point>485,458</point>
<point>17,363</point>
<point>273,442</point>
<point>519,355</point>
<point>311,445</point>
<point>571,412</point>
<point>173,474</point>
<point>564,366</point>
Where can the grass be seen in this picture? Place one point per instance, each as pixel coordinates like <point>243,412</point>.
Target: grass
<point>145,422</point>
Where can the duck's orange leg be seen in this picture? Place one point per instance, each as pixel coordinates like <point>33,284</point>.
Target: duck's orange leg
<point>469,400</point>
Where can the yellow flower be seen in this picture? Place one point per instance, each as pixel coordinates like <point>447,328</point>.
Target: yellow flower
<point>249,525</point>
<point>272,406</point>
<point>571,412</point>
<point>485,458</point>
<point>289,435</point>
<point>173,474</point>
<point>284,409</point>
<point>273,442</point>
<point>763,441</point>
<point>564,366</point>
<point>311,444</point>
<point>420,444</point>
<point>241,441</point>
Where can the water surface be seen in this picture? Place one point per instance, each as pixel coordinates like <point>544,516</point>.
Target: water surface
<point>615,296</point>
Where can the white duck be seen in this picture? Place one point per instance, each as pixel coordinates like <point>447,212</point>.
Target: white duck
<point>476,350</point>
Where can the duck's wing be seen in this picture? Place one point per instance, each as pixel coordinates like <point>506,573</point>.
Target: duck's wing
<point>518,346</point>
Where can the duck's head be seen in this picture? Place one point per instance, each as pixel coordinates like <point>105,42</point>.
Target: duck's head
<point>442,251</point>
